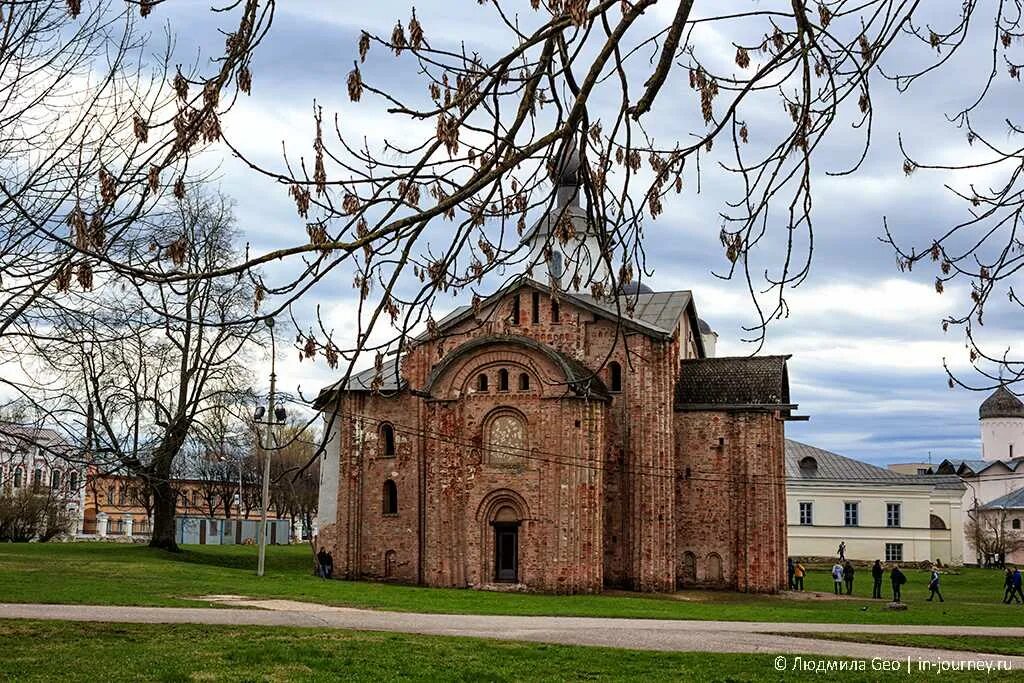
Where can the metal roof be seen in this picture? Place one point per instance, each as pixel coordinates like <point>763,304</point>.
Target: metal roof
<point>1011,501</point>
<point>661,310</point>
<point>977,466</point>
<point>829,466</point>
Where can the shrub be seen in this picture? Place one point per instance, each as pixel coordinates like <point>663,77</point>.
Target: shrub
<point>28,515</point>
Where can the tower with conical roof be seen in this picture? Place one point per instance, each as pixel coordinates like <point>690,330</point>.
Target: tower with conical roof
<point>1002,425</point>
<point>565,248</point>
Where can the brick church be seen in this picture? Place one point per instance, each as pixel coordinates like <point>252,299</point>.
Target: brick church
<point>558,441</point>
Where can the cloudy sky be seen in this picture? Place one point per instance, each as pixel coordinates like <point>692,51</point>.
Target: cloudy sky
<point>866,339</point>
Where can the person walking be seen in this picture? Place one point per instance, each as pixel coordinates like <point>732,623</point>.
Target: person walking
<point>1016,592</point>
<point>790,569</point>
<point>848,577</point>
<point>842,551</point>
<point>876,574</point>
<point>837,578</point>
<point>321,563</point>
<point>1008,592</point>
<point>898,579</point>
<point>798,576</point>
<point>933,586</point>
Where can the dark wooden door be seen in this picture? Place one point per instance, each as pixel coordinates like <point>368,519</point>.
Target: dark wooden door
<point>202,532</point>
<point>506,550</point>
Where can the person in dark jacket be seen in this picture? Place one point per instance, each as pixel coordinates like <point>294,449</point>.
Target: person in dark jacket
<point>790,570</point>
<point>842,551</point>
<point>898,579</point>
<point>321,563</point>
<point>848,577</point>
<point>933,586</point>
<point>876,573</point>
<point>1008,592</point>
<point>1017,586</point>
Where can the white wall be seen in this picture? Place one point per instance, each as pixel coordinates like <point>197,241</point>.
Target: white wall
<point>999,434</point>
<point>330,462</point>
<point>867,540</point>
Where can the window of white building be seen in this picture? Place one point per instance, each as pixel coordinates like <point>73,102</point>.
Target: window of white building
<point>851,513</point>
<point>892,515</point>
<point>893,552</point>
<point>806,514</point>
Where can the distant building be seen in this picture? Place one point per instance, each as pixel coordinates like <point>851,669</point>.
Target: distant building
<point>994,482</point>
<point>37,458</point>
<point>914,468</point>
<point>878,513</point>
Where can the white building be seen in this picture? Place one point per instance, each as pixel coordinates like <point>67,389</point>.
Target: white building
<point>878,513</point>
<point>993,480</point>
<point>38,458</point>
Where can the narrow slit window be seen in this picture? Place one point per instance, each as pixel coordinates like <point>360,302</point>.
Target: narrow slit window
<point>481,382</point>
<point>515,310</point>
<point>535,312</point>
<point>554,311</point>
<point>387,434</point>
<point>390,498</point>
<point>615,376</point>
<point>503,380</point>
<point>524,382</point>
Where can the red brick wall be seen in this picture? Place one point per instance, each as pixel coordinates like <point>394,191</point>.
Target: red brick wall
<point>730,498</point>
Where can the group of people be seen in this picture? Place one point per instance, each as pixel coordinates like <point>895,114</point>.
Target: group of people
<point>843,573</point>
<point>324,564</point>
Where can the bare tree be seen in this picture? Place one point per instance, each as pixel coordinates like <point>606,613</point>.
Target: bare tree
<point>991,534</point>
<point>572,88</point>
<point>150,364</point>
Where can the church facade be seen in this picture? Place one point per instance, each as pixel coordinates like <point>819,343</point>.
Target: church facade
<point>555,440</point>
<point>552,441</point>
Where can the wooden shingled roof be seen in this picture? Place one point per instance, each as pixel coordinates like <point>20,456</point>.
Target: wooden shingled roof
<point>733,383</point>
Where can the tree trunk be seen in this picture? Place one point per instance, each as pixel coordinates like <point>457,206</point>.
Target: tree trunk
<point>163,515</point>
<point>164,495</point>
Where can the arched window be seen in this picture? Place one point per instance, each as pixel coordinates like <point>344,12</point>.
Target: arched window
<point>110,495</point>
<point>555,313</point>
<point>37,477</point>
<point>936,522</point>
<point>390,506</point>
<point>17,478</point>
<point>481,382</point>
<point>73,481</point>
<point>524,382</point>
<point>387,440</point>
<point>715,568</point>
<point>689,567</point>
<point>55,480</point>
<point>503,380</point>
<point>505,438</point>
<point>1016,524</point>
<point>615,376</point>
<point>122,494</point>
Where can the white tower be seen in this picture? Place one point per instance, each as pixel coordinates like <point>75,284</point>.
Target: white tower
<point>564,246</point>
<point>1002,426</point>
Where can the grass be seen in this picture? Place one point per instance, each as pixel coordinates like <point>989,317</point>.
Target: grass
<point>996,645</point>
<point>67,651</point>
<point>115,574</point>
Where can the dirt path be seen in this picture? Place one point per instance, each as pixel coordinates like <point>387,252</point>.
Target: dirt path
<point>634,634</point>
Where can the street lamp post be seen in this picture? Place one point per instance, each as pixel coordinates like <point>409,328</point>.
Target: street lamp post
<point>271,415</point>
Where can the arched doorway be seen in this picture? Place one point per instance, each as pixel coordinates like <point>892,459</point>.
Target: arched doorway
<point>506,545</point>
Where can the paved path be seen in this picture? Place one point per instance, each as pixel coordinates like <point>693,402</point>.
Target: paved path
<point>635,634</point>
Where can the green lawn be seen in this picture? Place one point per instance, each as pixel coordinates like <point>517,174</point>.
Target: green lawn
<point>115,574</point>
<point>65,651</point>
<point>995,645</point>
